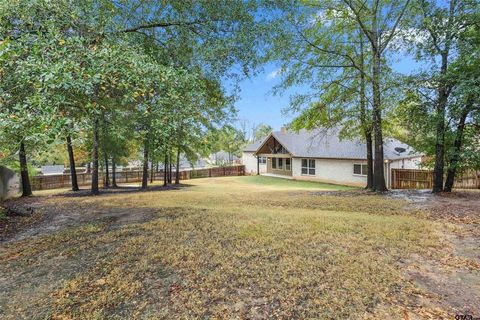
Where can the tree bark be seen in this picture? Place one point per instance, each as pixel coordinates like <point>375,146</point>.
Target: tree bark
<point>440,131</point>
<point>364,118</point>
<point>378,172</point>
<point>114,174</point>
<point>152,173</point>
<point>71,158</point>
<point>26,187</point>
<point>165,172</point>
<point>368,138</point>
<point>457,145</point>
<point>145,165</point>
<point>177,168</point>
<point>106,182</point>
<point>94,189</point>
<point>170,167</point>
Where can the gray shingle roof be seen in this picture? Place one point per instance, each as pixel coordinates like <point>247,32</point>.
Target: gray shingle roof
<point>323,143</point>
<point>252,147</point>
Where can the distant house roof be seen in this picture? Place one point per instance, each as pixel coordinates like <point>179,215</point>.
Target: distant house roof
<point>252,147</point>
<point>223,156</point>
<point>326,143</point>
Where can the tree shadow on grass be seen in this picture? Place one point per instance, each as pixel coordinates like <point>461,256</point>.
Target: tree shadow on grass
<point>123,190</point>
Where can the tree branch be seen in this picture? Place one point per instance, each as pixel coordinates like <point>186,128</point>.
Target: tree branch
<point>394,28</point>
<point>163,25</point>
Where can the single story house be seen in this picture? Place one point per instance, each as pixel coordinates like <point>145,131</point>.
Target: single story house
<point>321,155</point>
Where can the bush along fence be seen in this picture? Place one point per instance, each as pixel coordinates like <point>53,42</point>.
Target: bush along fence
<point>122,177</point>
<point>423,179</point>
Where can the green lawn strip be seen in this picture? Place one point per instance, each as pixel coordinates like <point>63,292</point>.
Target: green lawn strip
<point>289,183</point>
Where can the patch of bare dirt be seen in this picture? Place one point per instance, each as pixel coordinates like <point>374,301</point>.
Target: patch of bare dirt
<point>48,214</point>
<point>71,240</point>
<point>449,280</point>
<point>59,216</point>
<point>456,289</point>
<point>125,189</point>
<point>16,218</point>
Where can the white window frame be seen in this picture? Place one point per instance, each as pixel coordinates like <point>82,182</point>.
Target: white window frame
<point>288,166</point>
<point>308,167</point>
<point>363,173</point>
<point>274,163</point>
<point>262,160</point>
<point>280,167</point>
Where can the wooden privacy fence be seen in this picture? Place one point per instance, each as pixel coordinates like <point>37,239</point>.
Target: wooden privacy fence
<point>84,179</point>
<point>423,179</point>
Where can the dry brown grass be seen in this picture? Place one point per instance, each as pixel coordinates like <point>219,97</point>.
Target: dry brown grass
<point>220,248</point>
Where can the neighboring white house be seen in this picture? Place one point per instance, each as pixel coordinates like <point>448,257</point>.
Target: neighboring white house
<point>321,155</point>
<point>223,158</point>
<point>52,170</point>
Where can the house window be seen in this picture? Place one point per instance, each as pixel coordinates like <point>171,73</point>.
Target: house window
<point>287,164</point>
<point>308,167</point>
<point>274,163</point>
<point>262,160</point>
<point>360,169</point>
<point>280,163</point>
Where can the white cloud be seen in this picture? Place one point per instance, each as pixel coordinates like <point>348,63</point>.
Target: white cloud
<point>272,75</point>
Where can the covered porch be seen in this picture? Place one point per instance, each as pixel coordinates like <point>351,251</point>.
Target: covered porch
<point>277,158</point>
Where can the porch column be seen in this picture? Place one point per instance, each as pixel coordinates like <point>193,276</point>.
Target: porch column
<point>258,165</point>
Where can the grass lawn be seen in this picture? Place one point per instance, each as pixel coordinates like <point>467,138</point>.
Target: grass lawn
<point>234,247</point>
<point>286,183</point>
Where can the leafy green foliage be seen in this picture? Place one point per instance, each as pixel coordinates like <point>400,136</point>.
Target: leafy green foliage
<point>450,41</point>
<point>261,131</point>
<point>148,72</point>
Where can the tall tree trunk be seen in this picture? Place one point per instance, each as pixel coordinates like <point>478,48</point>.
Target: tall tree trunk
<point>26,187</point>
<point>258,165</point>
<point>71,158</point>
<point>152,172</point>
<point>106,182</point>
<point>94,189</point>
<point>378,172</point>
<point>145,164</point>
<point>114,173</point>
<point>177,168</point>
<point>165,172</point>
<point>457,146</point>
<point>440,131</point>
<point>364,118</point>
<point>89,168</point>
<point>368,138</point>
<point>170,167</point>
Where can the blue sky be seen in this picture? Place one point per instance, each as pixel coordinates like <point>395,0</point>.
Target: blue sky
<point>258,104</point>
